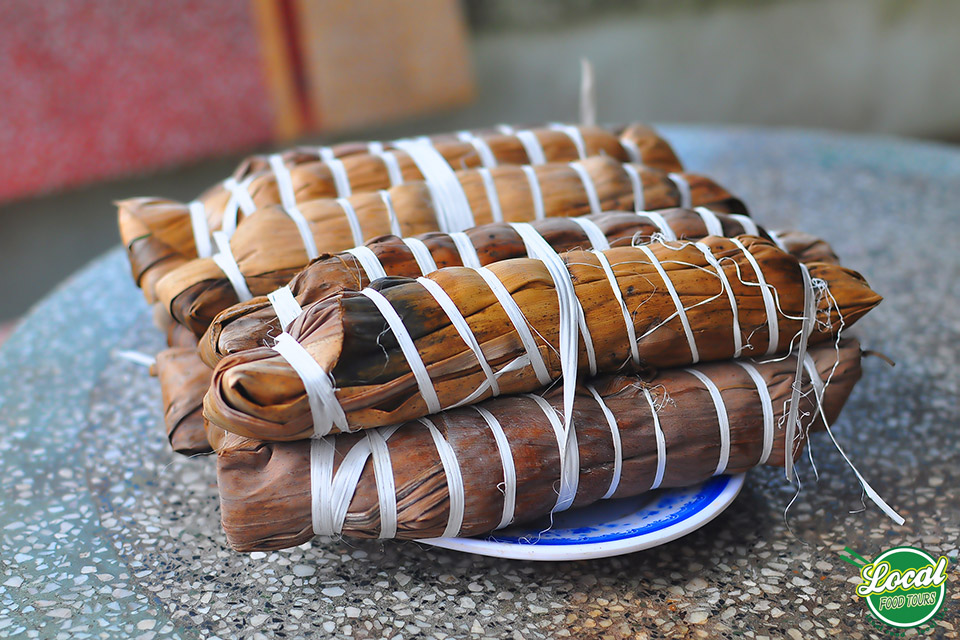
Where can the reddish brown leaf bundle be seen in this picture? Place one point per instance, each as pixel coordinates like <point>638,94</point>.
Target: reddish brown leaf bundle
<point>265,488</point>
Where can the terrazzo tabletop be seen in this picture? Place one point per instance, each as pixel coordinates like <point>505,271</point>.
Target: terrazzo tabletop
<point>105,533</point>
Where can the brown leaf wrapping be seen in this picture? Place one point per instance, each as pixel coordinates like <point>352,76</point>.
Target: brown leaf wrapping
<point>247,325</point>
<point>269,249</point>
<point>257,394</point>
<point>265,491</point>
<point>158,235</point>
<point>183,381</point>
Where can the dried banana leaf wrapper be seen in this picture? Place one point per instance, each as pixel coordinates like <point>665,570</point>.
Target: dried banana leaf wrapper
<point>184,379</point>
<point>637,142</point>
<point>251,324</point>
<point>247,325</point>
<point>266,492</point>
<point>673,306</point>
<point>159,233</point>
<point>269,249</point>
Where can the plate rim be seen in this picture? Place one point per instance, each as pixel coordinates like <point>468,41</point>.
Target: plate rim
<point>596,550</point>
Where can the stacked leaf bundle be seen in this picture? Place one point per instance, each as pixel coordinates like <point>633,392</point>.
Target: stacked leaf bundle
<point>161,234</point>
<point>248,325</point>
<point>158,233</point>
<point>469,471</point>
<point>432,475</point>
<point>271,246</point>
<point>460,335</point>
<point>434,348</point>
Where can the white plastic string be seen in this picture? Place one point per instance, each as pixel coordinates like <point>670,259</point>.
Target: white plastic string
<point>341,181</point>
<point>509,468</point>
<point>615,437</point>
<point>421,254</point>
<point>588,95</point>
<point>496,213</point>
<point>588,186</point>
<point>409,349</point>
<point>384,479</point>
<point>725,283</point>
<point>487,159</point>
<point>681,311</point>
<point>766,402</point>
<point>710,221</point>
<point>449,199</point>
<point>571,312</point>
<point>465,135</point>
<point>627,317</point>
<point>288,201</point>
<point>321,485</point>
<point>633,151</point>
<point>324,406</point>
<point>284,180</point>
<point>455,488</point>
<point>639,199</point>
<point>657,218</point>
<point>460,324</point>
<point>352,220</point>
<point>806,328</point>
<point>569,456</point>
<point>683,187</point>
<point>239,197</point>
<point>661,441</point>
<point>326,153</point>
<point>571,318</point>
<point>535,194</point>
<point>596,237</point>
<point>369,261</point>
<point>722,418</point>
<point>749,226</point>
<point>773,323</point>
<point>777,240</point>
<point>531,144</point>
<point>228,264</point>
<point>818,386</point>
<point>136,357</point>
<point>519,321</point>
<point>331,494</point>
<point>201,230</point>
<point>506,129</point>
<point>575,135</point>
<point>374,147</point>
<point>393,167</point>
<point>468,253</point>
<point>285,306</point>
<point>391,213</point>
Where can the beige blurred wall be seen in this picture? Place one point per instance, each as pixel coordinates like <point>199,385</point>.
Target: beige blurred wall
<point>864,65</point>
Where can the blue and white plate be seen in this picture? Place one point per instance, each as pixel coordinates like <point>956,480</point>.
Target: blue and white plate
<point>608,527</point>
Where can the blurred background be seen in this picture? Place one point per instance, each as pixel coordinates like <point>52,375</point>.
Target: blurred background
<point>101,100</point>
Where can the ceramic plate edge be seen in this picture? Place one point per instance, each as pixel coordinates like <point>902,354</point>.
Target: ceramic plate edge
<point>591,551</point>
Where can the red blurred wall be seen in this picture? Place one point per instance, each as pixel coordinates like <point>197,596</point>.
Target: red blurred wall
<point>96,88</point>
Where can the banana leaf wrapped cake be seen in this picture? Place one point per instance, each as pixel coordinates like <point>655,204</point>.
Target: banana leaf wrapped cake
<point>161,234</point>
<point>270,247</point>
<point>472,470</point>
<point>403,348</point>
<point>253,324</point>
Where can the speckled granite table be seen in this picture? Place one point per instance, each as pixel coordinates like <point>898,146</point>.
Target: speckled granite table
<point>106,534</point>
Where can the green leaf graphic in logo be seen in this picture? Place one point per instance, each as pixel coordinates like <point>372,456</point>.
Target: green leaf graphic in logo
<point>904,587</point>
